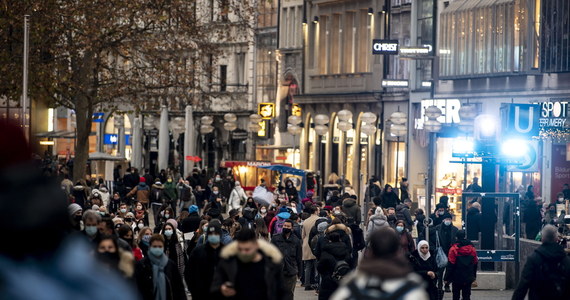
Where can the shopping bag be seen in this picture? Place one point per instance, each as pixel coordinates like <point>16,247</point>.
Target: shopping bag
<point>440,256</point>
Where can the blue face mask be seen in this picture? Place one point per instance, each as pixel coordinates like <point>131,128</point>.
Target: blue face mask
<point>156,251</point>
<point>214,239</point>
<point>91,230</point>
<point>399,228</point>
<point>168,233</point>
<point>146,239</point>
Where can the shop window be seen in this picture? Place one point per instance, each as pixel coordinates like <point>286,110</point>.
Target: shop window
<point>396,160</point>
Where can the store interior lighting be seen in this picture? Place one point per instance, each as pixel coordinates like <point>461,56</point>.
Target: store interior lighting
<point>463,148</point>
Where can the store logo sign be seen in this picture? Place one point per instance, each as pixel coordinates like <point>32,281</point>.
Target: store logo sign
<point>449,108</point>
<point>523,120</point>
<point>387,47</point>
<point>554,114</point>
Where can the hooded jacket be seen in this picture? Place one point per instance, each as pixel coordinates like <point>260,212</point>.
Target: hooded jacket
<point>547,257</point>
<point>403,213</point>
<point>376,222</point>
<point>462,266</point>
<point>292,253</point>
<point>227,269</point>
<point>199,273</point>
<point>142,192</point>
<point>143,278</point>
<point>389,199</point>
<point>80,195</point>
<point>386,274</point>
<point>332,252</point>
<point>156,193</point>
<point>473,223</point>
<point>236,196</point>
<point>352,210</point>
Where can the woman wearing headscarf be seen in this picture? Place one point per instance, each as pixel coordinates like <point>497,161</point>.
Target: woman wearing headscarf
<point>423,261</point>
<point>237,197</point>
<point>156,276</point>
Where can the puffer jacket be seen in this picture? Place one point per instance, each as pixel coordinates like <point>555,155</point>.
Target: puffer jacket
<point>352,210</point>
<point>462,266</point>
<point>376,222</point>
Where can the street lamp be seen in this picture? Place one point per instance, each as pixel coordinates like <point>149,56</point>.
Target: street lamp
<point>294,129</point>
<point>398,129</point>
<point>432,125</point>
<point>369,129</point>
<point>230,125</point>
<point>321,129</point>
<point>206,128</point>
<point>343,125</point>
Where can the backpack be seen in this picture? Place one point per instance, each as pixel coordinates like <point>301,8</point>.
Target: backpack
<point>278,226</point>
<point>369,293</point>
<point>314,241</point>
<point>341,268</point>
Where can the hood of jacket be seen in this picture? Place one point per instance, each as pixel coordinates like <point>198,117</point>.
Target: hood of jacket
<point>400,207</point>
<point>551,251</point>
<point>142,186</point>
<point>78,188</point>
<point>159,187</point>
<point>336,249</point>
<point>349,202</point>
<point>379,220</point>
<point>268,249</point>
<point>464,249</point>
<point>336,227</point>
<point>472,211</point>
<point>385,268</point>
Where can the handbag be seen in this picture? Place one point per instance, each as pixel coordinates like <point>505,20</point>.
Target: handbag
<point>440,257</point>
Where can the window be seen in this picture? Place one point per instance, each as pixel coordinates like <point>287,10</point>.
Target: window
<point>364,45</point>
<point>335,45</point>
<point>240,68</point>
<point>555,36</point>
<point>323,35</point>
<point>267,14</point>
<point>348,43</point>
<point>223,78</point>
<point>266,67</point>
<point>224,10</point>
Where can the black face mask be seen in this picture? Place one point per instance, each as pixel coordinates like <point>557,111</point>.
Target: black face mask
<point>286,230</point>
<point>109,258</point>
<point>128,219</point>
<point>130,241</point>
<point>78,218</point>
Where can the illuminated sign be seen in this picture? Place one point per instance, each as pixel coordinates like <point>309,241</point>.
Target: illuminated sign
<point>395,83</point>
<point>297,111</point>
<point>387,47</point>
<point>449,108</point>
<point>418,50</point>
<point>266,110</point>
<point>113,139</point>
<point>264,129</point>
<point>554,114</point>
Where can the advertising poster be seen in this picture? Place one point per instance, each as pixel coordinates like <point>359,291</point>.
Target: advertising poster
<point>560,168</point>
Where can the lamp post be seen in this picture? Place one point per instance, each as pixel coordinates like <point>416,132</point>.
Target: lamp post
<point>321,129</point>
<point>398,129</point>
<point>253,127</point>
<point>206,128</point>
<point>369,129</point>
<point>294,129</point>
<point>343,125</point>
<point>432,125</point>
<point>230,125</point>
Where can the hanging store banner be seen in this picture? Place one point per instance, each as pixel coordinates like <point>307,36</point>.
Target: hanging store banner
<point>386,47</point>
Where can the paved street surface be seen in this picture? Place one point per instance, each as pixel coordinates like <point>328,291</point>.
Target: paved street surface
<point>301,294</point>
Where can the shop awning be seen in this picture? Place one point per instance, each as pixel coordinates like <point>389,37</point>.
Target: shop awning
<point>285,169</point>
<point>233,163</point>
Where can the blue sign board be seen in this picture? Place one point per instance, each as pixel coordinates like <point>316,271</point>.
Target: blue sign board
<point>98,117</point>
<point>522,120</point>
<point>496,255</point>
<point>113,139</point>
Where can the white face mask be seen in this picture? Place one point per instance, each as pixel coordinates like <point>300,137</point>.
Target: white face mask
<point>140,226</point>
<point>263,211</point>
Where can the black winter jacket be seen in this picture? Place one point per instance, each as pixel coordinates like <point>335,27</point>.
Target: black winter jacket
<point>143,278</point>
<point>545,271</point>
<point>473,224</point>
<point>292,253</point>
<point>191,223</point>
<point>446,236</point>
<point>200,269</point>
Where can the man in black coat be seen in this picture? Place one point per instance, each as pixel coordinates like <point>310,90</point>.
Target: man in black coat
<point>290,246</point>
<point>202,263</point>
<point>249,269</point>
<point>546,274</point>
<point>473,222</point>
<point>403,213</point>
<point>192,222</point>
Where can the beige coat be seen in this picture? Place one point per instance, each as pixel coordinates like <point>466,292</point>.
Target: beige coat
<point>307,226</point>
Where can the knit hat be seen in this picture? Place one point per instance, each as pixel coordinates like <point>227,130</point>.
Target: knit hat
<point>142,179</point>
<point>73,208</point>
<point>95,207</point>
<point>322,227</point>
<point>173,223</point>
<point>193,208</point>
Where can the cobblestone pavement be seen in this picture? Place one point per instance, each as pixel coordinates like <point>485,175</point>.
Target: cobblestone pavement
<point>301,294</point>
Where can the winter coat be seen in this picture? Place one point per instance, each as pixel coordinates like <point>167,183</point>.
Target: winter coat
<point>446,236</point>
<point>142,191</point>
<point>80,195</point>
<point>358,242</point>
<point>376,222</point>
<point>462,266</point>
<point>407,244</point>
<point>227,269</point>
<point>332,252</point>
<point>345,237</point>
<point>143,278</point>
<point>186,194</point>
<point>403,213</point>
<point>384,274</point>
<point>199,273</point>
<point>473,223</point>
<point>156,193</point>
<point>170,192</point>
<point>305,233</point>
<point>292,253</point>
<point>352,210</point>
<point>190,223</point>
<point>545,270</point>
<point>236,197</point>
<point>422,267</point>
<point>389,200</point>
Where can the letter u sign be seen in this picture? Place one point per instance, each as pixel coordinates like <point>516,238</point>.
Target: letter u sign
<point>524,120</point>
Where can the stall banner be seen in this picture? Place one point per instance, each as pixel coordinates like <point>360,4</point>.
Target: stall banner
<point>560,168</point>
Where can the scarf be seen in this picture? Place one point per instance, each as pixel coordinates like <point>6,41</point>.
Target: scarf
<point>158,276</point>
<point>423,256</point>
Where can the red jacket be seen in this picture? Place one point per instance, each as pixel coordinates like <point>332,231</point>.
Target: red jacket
<point>462,266</point>
<point>467,250</point>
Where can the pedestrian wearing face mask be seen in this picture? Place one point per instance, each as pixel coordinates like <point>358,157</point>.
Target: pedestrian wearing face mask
<point>75,216</point>
<point>446,233</point>
<point>437,217</point>
<point>141,213</point>
<point>156,276</point>
<point>290,246</point>
<point>174,245</point>
<point>407,244</point>
<point>91,219</point>
<point>192,222</point>
<point>143,240</point>
<point>249,269</point>
<point>202,263</point>
<point>126,234</point>
<point>171,194</point>
<point>115,258</point>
